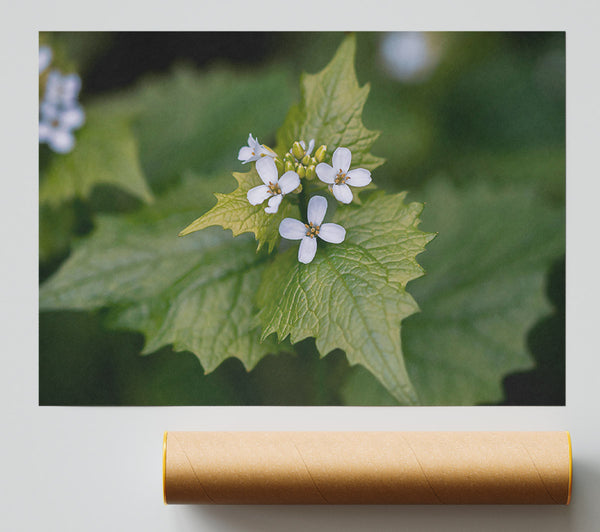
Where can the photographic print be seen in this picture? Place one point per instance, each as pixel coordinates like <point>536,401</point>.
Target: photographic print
<point>323,218</point>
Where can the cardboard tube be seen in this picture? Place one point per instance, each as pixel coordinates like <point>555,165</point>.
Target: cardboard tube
<point>367,467</point>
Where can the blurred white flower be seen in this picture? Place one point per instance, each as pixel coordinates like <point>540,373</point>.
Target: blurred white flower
<point>56,126</point>
<point>307,233</point>
<point>409,55</point>
<point>45,57</point>
<point>274,188</point>
<point>339,177</point>
<point>254,151</point>
<point>62,90</point>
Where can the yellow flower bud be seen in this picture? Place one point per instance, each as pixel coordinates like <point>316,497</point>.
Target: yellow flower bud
<point>320,153</point>
<point>305,160</point>
<point>298,150</point>
<point>301,171</point>
<point>288,157</point>
<point>288,166</point>
<point>310,172</point>
<point>279,165</point>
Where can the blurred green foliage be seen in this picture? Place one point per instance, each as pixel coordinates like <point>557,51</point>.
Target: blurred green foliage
<point>490,116</point>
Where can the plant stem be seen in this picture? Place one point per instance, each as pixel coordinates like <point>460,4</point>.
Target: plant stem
<point>302,200</point>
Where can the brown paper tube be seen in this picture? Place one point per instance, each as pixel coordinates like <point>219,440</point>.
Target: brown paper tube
<point>367,467</point>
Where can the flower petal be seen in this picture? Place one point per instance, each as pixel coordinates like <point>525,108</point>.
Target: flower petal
<point>265,151</point>
<point>274,204</point>
<point>245,154</point>
<point>333,233</point>
<point>292,229</point>
<point>61,141</point>
<point>49,111</point>
<point>307,249</point>
<point>72,118</point>
<point>45,57</point>
<point>317,207</point>
<point>71,86</point>
<point>45,131</point>
<point>258,194</point>
<point>289,182</point>
<point>267,170</point>
<point>341,159</point>
<point>325,173</point>
<point>342,193</point>
<point>311,146</point>
<point>359,177</point>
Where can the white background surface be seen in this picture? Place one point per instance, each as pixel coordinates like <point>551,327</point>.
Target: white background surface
<point>99,469</point>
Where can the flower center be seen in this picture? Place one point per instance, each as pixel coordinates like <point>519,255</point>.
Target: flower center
<point>312,230</point>
<point>340,178</point>
<point>274,188</point>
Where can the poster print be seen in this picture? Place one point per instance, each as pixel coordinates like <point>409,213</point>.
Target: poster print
<point>219,228</point>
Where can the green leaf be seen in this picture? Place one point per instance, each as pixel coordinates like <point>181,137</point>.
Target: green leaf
<point>330,110</point>
<point>193,293</point>
<point>193,121</point>
<point>484,290</point>
<point>234,211</point>
<point>352,296</point>
<point>105,153</point>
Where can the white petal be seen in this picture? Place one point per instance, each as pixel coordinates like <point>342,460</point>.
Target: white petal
<point>71,86</point>
<point>359,177</point>
<point>311,145</point>
<point>342,193</point>
<point>54,80</point>
<point>45,57</point>
<point>274,204</point>
<point>245,154</point>
<point>255,145</point>
<point>61,141</point>
<point>251,141</point>
<point>258,194</point>
<point>49,111</point>
<point>325,173</point>
<point>289,182</point>
<point>307,250</point>
<point>333,233</point>
<point>266,152</point>
<point>317,207</point>
<point>72,118</point>
<point>341,159</point>
<point>45,131</point>
<point>267,170</point>
<point>292,229</point>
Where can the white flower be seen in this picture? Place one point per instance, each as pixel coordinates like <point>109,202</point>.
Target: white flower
<point>409,56</point>
<point>274,188</point>
<point>254,151</point>
<point>307,233</point>
<point>57,125</point>
<point>339,177</point>
<point>45,57</point>
<point>62,90</point>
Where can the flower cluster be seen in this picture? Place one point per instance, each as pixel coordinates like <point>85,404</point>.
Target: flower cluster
<point>60,112</point>
<point>299,163</point>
